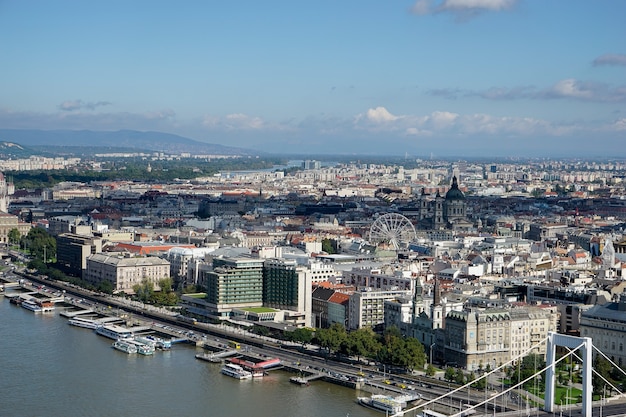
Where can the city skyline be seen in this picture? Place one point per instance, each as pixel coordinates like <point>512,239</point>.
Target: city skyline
<point>450,77</point>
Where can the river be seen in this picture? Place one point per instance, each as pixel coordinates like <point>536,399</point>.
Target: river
<point>49,368</point>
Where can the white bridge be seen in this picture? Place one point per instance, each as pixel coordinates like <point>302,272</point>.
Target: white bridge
<point>572,343</point>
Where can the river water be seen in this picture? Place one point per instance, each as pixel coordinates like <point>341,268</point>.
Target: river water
<point>49,368</point>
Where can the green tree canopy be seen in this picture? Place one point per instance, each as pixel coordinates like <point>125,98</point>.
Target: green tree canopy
<point>41,244</point>
<point>362,342</point>
<point>332,338</point>
<point>14,236</point>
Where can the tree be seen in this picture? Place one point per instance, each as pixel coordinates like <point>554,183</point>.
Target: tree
<point>449,374</point>
<point>529,366</point>
<point>329,246</point>
<point>331,338</point>
<point>14,236</point>
<point>603,369</point>
<point>362,342</point>
<point>144,290</point>
<point>105,287</point>
<point>40,243</point>
<point>459,376</point>
<point>430,370</point>
<point>412,355</point>
<point>301,335</point>
<point>166,284</point>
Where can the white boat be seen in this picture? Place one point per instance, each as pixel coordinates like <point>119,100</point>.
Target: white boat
<point>83,322</point>
<point>145,349</point>
<point>47,308</point>
<point>124,346</point>
<point>236,371</point>
<point>142,348</point>
<point>32,306</point>
<point>384,403</point>
<point>160,343</point>
<point>145,340</point>
<point>115,332</point>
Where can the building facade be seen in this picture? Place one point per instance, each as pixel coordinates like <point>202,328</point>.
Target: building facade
<point>73,251</point>
<point>606,325</point>
<point>123,272</point>
<point>286,286</point>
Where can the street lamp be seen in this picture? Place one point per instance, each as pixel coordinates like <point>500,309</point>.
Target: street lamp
<point>431,353</point>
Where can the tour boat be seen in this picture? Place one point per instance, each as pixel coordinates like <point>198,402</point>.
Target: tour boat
<point>124,346</point>
<point>384,403</point>
<point>84,322</point>
<point>236,371</point>
<point>32,306</point>
<point>115,332</point>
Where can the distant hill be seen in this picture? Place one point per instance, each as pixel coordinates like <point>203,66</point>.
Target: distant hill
<point>109,141</point>
<point>11,150</point>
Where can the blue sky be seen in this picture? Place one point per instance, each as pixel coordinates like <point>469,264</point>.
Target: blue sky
<point>418,77</point>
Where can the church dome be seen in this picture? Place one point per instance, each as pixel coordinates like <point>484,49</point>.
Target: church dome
<point>454,193</point>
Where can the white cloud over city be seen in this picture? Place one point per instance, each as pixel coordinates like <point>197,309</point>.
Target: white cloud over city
<point>461,8</point>
<point>566,89</point>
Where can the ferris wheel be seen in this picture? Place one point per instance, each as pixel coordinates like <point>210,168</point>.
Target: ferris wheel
<point>393,230</point>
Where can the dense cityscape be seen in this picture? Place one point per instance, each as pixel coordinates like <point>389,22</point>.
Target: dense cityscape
<point>477,261</point>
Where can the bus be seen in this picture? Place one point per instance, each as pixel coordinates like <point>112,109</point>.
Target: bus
<point>234,345</point>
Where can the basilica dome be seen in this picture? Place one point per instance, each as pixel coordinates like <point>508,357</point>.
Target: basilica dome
<point>454,193</point>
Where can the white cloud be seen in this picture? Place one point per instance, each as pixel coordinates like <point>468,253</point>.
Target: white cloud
<point>161,114</point>
<point>441,119</point>
<point>567,89</point>
<point>445,123</point>
<point>465,8</point>
<point>74,105</point>
<point>584,90</point>
<point>242,122</point>
<point>619,125</point>
<point>571,88</point>
<point>610,59</point>
<point>380,115</point>
<point>235,121</point>
<point>421,7</point>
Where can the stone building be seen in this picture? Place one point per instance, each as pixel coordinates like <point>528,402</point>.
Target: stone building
<point>479,338</point>
<point>475,339</point>
<point>124,272</point>
<point>443,212</point>
<point>9,222</point>
<point>606,325</point>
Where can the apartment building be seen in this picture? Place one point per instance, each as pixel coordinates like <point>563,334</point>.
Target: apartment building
<point>366,307</point>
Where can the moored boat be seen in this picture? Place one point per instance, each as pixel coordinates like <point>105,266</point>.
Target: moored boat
<point>236,371</point>
<point>32,306</point>
<point>384,403</point>
<point>124,346</point>
<point>114,332</point>
<point>15,300</point>
<point>160,342</point>
<point>142,348</point>
<point>146,341</point>
<point>84,322</point>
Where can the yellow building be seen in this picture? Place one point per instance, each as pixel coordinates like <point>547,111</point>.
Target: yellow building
<point>9,222</point>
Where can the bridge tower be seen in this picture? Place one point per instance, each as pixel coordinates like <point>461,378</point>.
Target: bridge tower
<point>572,342</point>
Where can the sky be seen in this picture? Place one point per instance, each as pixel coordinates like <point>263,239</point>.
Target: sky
<point>388,77</point>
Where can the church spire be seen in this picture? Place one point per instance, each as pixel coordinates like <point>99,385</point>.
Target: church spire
<point>436,293</point>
